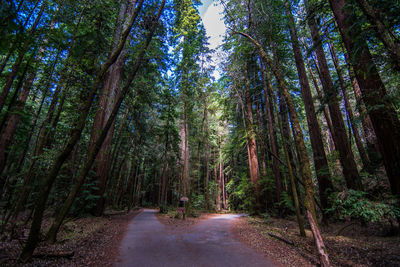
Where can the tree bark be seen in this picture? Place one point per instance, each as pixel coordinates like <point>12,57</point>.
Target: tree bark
<point>75,134</point>
<point>383,116</point>
<point>323,255</point>
<point>350,172</point>
<point>21,55</point>
<point>359,144</point>
<point>108,95</point>
<point>299,138</point>
<point>387,36</point>
<point>271,132</point>
<point>52,233</point>
<point>300,220</point>
<point>320,161</point>
<point>253,156</point>
<point>370,138</point>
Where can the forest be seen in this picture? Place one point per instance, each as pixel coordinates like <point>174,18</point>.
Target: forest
<point>113,105</point>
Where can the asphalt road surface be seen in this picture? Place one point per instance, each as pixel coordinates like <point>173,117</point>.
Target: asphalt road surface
<point>208,243</point>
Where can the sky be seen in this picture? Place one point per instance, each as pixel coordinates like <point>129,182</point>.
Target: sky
<point>211,14</point>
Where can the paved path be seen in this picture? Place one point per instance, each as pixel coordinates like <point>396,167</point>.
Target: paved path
<point>209,243</point>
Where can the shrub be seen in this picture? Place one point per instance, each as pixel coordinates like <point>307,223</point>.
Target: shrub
<point>356,205</point>
<point>164,208</point>
<point>242,198</point>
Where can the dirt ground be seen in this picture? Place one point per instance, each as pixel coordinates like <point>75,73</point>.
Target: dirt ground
<point>172,221</point>
<point>94,241</point>
<point>348,243</point>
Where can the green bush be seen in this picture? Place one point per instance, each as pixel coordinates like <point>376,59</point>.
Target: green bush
<point>164,208</point>
<point>242,198</point>
<point>286,203</point>
<point>197,202</point>
<point>356,205</point>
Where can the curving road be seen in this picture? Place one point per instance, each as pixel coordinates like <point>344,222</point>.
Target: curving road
<point>209,243</point>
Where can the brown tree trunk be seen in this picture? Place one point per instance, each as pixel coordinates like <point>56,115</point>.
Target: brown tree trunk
<point>370,138</point>
<point>271,131</point>
<point>350,172</point>
<point>320,161</point>
<point>8,133</point>
<point>320,97</point>
<point>383,115</point>
<point>16,38</point>
<point>131,182</point>
<point>108,95</point>
<point>262,148</point>
<point>217,195</point>
<point>185,179</point>
<point>388,37</point>
<point>299,138</point>
<point>300,220</point>
<point>207,157</point>
<point>75,134</point>
<point>359,144</point>
<point>17,63</point>
<point>52,233</point>
<point>319,242</point>
<point>14,97</point>
<point>220,176</point>
<point>253,157</point>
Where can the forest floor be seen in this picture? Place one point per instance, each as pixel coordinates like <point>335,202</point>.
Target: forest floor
<point>171,220</point>
<point>88,241</point>
<point>348,244</point>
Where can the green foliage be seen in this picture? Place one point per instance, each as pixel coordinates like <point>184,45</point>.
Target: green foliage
<point>163,208</point>
<point>197,202</point>
<point>356,205</point>
<point>86,200</point>
<point>286,203</point>
<point>242,198</point>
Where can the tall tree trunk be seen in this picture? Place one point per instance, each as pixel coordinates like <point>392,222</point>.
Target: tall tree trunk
<point>52,233</point>
<point>262,148</point>
<point>21,55</point>
<point>359,144</point>
<point>220,167</point>
<point>108,95</point>
<point>271,131</point>
<point>300,220</point>
<point>8,133</point>
<point>75,134</point>
<point>16,38</point>
<point>253,156</point>
<point>350,172</point>
<point>222,176</point>
<point>326,110</point>
<point>374,153</point>
<point>185,179</point>
<point>299,138</point>
<point>383,115</point>
<point>207,157</point>
<point>320,161</point>
<point>388,37</point>
<point>17,90</point>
